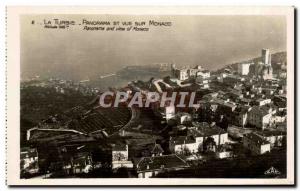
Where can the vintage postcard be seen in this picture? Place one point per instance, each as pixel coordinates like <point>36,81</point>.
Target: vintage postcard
<point>150,96</point>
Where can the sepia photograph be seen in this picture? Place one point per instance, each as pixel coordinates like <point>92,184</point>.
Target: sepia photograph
<point>145,96</point>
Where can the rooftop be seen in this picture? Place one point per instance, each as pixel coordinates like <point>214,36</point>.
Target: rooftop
<point>242,109</point>
<point>256,139</point>
<point>157,149</point>
<point>179,140</point>
<point>260,110</point>
<point>271,133</point>
<point>160,162</point>
<point>213,130</point>
<point>204,130</point>
<point>120,147</point>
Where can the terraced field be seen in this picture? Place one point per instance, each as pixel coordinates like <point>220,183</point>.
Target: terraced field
<point>109,120</point>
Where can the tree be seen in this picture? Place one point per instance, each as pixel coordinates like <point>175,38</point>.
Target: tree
<point>209,144</point>
<point>223,123</point>
<point>186,150</point>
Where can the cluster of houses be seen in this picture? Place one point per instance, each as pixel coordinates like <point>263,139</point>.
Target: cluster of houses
<point>261,113</point>
<point>147,166</point>
<point>249,98</point>
<point>197,138</point>
<point>61,86</point>
<point>186,143</point>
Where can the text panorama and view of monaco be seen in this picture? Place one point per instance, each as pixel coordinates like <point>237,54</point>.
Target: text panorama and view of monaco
<point>236,127</point>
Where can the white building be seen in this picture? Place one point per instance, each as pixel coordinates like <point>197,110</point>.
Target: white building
<point>183,145</point>
<point>243,68</point>
<point>219,135</point>
<point>194,71</point>
<point>120,156</point>
<point>183,117</point>
<point>166,113</point>
<point>181,74</point>
<point>169,112</point>
<point>224,154</point>
<point>278,119</point>
<point>187,72</point>
<point>262,101</point>
<point>203,73</point>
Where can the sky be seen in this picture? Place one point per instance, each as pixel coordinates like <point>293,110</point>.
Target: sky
<point>209,41</point>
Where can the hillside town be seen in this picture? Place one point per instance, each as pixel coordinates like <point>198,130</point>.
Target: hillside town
<point>238,122</point>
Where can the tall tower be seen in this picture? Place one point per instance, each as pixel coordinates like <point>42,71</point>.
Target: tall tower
<point>267,71</point>
<point>173,68</point>
<point>266,56</point>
